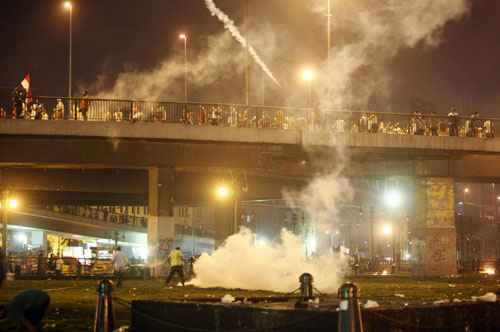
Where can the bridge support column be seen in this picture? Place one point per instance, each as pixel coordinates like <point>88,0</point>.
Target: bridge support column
<point>435,244</point>
<point>161,225</point>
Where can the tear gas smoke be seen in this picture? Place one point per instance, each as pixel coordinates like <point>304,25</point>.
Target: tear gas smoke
<point>367,35</point>
<point>229,25</point>
<point>220,59</point>
<point>239,263</point>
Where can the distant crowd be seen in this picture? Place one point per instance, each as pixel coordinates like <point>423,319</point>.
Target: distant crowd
<point>84,108</point>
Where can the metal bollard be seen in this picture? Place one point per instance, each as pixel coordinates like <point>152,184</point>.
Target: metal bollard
<point>104,318</point>
<point>349,310</point>
<point>306,286</point>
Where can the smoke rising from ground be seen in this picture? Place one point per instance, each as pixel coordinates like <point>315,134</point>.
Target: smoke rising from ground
<point>229,25</point>
<point>239,263</point>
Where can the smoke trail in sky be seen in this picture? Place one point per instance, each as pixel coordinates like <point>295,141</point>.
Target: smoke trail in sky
<point>229,25</point>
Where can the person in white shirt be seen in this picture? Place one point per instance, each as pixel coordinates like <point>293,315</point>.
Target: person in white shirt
<point>120,262</point>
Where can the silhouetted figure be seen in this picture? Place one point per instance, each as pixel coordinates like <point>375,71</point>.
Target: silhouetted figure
<point>27,310</point>
<point>18,100</point>
<point>453,122</point>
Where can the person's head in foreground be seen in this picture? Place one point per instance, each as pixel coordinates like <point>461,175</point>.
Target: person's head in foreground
<point>26,310</point>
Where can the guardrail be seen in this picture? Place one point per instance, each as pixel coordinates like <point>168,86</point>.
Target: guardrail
<point>234,115</point>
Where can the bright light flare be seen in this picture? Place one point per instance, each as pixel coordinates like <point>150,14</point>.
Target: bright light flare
<point>21,238</point>
<point>466,190</point>
<point>311,245</point>
<point>12,203</point>
<point>68,5</point>
<point>183,36</point>
<point>308,75</point>
<point>387,229</point>
<point>223,191</point>
<point>489,271</point>
<point>393,198</point>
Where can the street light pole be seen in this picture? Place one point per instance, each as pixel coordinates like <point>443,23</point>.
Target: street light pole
<point>372,235</point>
<point>329,29</point>
<point>69,7</point>
<point>4,223</point>
<point>184,38</point>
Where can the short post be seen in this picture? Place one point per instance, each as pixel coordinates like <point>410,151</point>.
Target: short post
<point>349,310</point>
<point>104,318</point>
<point>306,286</point>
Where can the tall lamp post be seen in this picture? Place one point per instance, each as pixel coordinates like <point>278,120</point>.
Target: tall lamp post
<point>183,37</point>
<point>7,204</point>
<point>69,7</point>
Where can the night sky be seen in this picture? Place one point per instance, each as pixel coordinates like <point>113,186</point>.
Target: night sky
<point>110,36</point>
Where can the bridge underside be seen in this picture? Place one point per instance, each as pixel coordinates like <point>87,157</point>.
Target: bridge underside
<point>159,173</point>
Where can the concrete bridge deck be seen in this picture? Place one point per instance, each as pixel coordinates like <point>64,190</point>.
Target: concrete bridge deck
<point>155,131</point>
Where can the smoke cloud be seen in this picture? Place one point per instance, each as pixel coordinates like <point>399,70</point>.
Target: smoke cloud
<point>221,59</point>
<point>367,35</point>
<point>229,25</point>
<point>239,263</point>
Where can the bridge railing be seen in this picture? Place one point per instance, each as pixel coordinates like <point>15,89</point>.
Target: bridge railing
<point>234,115</point>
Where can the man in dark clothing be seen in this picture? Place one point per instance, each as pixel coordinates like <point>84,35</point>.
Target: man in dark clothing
<point>27,310</point>
<point>18,100</point>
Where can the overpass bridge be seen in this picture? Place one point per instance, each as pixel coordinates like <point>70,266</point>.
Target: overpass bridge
<point>163,151</point>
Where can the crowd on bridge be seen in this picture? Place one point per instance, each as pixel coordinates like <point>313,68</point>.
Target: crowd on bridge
<point>24,106</point>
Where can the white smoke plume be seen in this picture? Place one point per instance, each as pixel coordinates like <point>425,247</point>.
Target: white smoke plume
<point>229,25</point>
<point>239,263</point>
<point>374,33</point>
<point>159,83</point>
<point>368,34</point>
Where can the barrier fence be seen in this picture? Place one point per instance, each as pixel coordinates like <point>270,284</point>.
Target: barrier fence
<point>234,115</point>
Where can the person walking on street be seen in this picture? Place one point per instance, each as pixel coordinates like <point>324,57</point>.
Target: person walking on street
<point>120,261</point>
<point>176,265</point>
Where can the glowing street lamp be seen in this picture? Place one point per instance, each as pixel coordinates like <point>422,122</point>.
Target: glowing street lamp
<point>183,37</point>
<point>308,76</point>
<point>387,230</point>
<point>8,204</point>
<point>393,198</point>
<point>223,192</point>
<point>12,203</point>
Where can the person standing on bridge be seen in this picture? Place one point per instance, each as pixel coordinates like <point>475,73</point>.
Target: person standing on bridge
<point>453,122</point>
<point>120,262</point>
<point>84,105</point>
<point>176,265</point>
